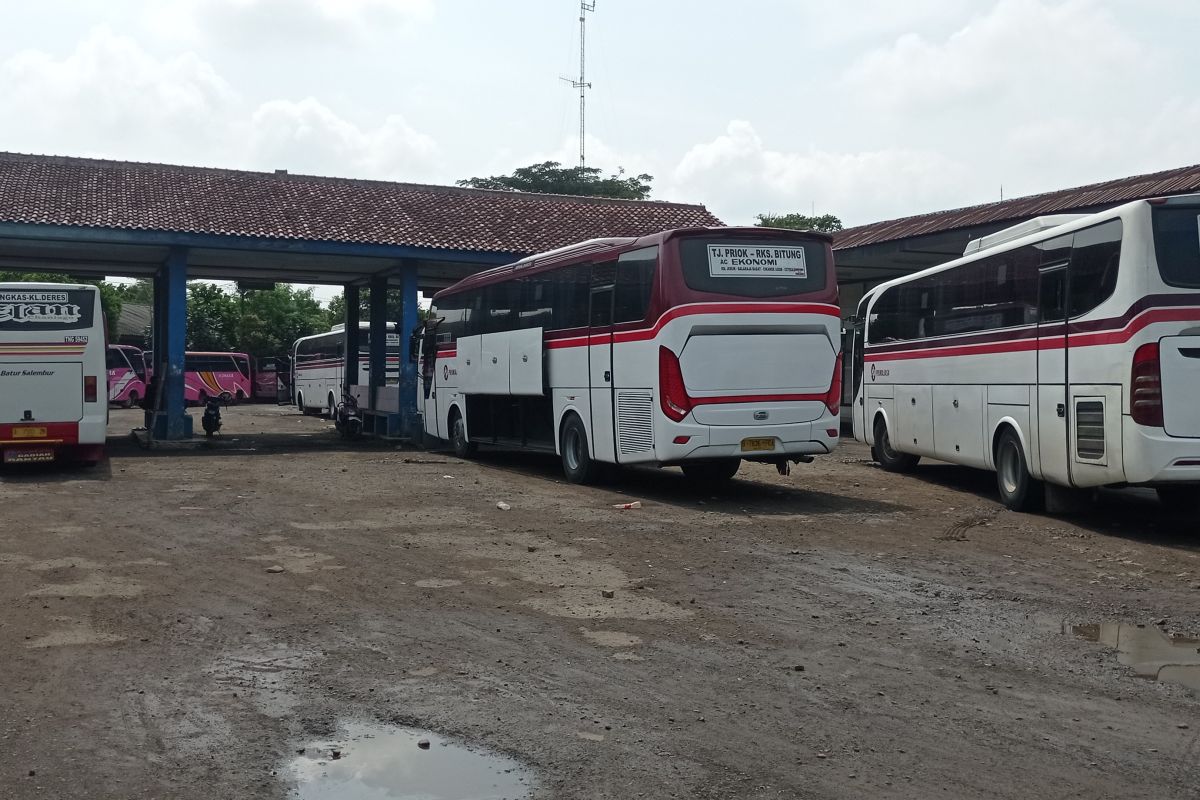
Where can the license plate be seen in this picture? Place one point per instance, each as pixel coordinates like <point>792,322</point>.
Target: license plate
<point>28,456</point>
<point>29,432</point>
<point>758,445</point>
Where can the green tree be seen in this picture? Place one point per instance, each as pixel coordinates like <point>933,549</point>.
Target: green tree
<point>140,291</point>
<point>110,300</point>
<point>269,321</point>
<point>827,223</point>
<point>551,177</point>
<point>212,317</point>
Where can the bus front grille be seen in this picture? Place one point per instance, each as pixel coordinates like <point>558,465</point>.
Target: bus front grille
<point>635,426</point>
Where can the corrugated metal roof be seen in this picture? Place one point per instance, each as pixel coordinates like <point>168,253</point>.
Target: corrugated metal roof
<point>134,319</point>
<point>55,190</point>
<point>1094,196</point>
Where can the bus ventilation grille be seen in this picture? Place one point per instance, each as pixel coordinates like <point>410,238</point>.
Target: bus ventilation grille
<point>635,427</point>
<point>1089,429</point>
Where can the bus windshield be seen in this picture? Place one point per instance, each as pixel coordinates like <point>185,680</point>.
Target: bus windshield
<point>746,267</point>
<point>1177,244</point>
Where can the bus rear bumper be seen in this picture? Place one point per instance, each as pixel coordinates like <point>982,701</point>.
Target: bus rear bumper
<point>757,443</point>
<point>1152,458</point>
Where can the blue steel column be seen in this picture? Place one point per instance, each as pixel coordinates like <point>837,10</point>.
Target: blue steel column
<point>351,296</point>
<point>176,424</point>
<point>408,368</point>
<point>379,320</point>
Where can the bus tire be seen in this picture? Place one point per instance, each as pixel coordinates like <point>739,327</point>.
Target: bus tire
<point>463,447</point>
<point>331,406</point>
<point>578,465</point>
<point>1019,491</point>
<point>711,473</point>
<point>305,410</point>
<point>1178,499</point>
<point>130,401</point>
<point>891,460</point>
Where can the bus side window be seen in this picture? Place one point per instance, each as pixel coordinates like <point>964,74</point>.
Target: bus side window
<point>635,279</point>
<point>571,290</point>
<point>1095,256</point>
<point>1051,294</point>
<point>603,282</point>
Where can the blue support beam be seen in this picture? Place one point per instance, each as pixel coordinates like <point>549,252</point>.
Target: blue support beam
<point>408,368</point>
<point>350,372</point>
<point>378,352</point>
<point>171,308</point>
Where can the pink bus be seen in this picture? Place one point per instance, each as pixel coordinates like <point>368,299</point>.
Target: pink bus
<point>126,375</point>
<point>222,375</point>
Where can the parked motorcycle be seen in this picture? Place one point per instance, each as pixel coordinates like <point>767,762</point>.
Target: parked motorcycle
<point>347,418</point>
<point>212,417</point>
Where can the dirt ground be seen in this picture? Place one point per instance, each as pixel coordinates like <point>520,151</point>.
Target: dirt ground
<point>837,633</point>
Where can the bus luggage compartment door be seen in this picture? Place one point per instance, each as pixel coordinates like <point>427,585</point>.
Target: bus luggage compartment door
<point>769,366</point>
<point>1179,358</point>
<point>45,392</point>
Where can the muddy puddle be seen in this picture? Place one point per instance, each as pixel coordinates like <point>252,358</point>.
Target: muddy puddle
<point>379,762</point>
<point>1149,652</point>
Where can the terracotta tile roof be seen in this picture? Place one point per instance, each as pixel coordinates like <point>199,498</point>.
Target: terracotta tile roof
<point>56,190</point>
<point>1083,198</point>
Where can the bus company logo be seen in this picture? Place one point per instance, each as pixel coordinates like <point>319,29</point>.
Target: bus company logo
<point>38,307</point>
<point>447,371</point>
<point>882,373</point>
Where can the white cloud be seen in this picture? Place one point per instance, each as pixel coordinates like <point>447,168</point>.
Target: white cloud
<point>738,176</point>
<point>288,22</point>
<point>108,93</point>
<point>1018,49</point>
<point>111,98</point>
<point>306,136</point>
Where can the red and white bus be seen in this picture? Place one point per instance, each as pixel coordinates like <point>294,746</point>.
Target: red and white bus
<point>126,375</point>
<point>318,366</point>
<point>698,347</point>
<point>53,388</point>
<point>1064,350</point>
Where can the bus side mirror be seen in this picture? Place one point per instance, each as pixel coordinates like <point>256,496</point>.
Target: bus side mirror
<point>414,346</point>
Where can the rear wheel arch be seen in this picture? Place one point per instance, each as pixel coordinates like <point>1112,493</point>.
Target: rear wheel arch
<point>1008,423</point>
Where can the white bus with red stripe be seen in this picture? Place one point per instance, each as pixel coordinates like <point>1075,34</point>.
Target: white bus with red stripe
<point>53,373</point>
<point>697,348</point>
<point>319,366</point>
<point>1065,350</point>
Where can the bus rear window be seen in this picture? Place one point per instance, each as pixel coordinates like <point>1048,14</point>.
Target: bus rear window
<point>1177,244</point>
<point>750,268</point>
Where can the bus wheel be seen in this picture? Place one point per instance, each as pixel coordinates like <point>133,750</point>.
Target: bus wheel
<point>891,460</point>
<point>711,473</point>
<point>131,401</point>
<point>1178,499</point>
<point>463,447</point>
<point>1018,489</point>
<point>578,465</point>
<point>332,406</point>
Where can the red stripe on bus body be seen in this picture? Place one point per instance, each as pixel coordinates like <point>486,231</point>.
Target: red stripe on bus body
<point>1057,342</point>
<point>56,433</point>
<point>644,334</point>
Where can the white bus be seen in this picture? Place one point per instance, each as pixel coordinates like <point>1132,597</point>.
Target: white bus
<point>1064,350</point>
<point>318,366</point>
<point>53,373</point>
<point>697,347</point>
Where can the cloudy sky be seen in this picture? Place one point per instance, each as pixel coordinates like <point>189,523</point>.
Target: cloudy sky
<point>869,110</point>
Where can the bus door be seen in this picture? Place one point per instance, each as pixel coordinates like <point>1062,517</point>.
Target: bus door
<point>600,363</point>
<point>858,400</point>
<point>1052,412</point>
<point>1094,397</point>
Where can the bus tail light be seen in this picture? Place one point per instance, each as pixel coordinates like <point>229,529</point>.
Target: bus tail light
<point>833,398</point>
<point>89,388</point>
<point>1145,387</point>
<point>672,393</point>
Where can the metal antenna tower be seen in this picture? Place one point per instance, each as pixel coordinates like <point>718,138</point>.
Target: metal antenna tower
<point>582,84</point>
